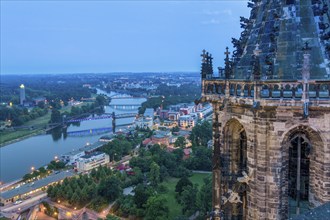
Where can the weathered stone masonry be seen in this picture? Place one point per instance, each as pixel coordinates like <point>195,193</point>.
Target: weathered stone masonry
<point>271,122</point>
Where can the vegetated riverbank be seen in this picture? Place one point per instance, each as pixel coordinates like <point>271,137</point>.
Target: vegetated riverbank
<point>37,126</point>
<point>12,137</point>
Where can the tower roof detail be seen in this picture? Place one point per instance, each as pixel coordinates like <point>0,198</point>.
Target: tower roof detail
<point>281,28</point>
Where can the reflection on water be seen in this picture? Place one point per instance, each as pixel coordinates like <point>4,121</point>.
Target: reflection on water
<point>17,159</point>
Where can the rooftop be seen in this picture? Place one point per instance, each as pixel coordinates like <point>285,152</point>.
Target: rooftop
<point>88,156</point>
<point>26,188</point>
<point>92,147</point>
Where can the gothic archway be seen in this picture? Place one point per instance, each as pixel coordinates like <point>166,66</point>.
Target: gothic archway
<point>303,149</point>
<point>234,165</point>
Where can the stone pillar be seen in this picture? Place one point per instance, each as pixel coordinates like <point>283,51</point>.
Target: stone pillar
<point>216,171</point>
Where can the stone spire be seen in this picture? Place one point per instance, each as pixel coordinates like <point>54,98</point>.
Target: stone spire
<point>280,28</point>
<point>207,65</point>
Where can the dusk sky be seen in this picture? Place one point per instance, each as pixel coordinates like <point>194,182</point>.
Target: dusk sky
<point>115,36</point>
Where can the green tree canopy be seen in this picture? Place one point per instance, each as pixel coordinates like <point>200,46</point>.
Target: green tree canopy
<point>154,174</point>
<point>180,142</point>
<point>110,188</point>
<point>183,182</point>
<point>201,134</point>
<point>156,208</point>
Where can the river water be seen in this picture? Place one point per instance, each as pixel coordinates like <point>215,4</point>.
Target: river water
<point>17,159</point>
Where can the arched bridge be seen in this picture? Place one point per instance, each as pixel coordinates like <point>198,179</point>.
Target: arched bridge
<point>104,116</point>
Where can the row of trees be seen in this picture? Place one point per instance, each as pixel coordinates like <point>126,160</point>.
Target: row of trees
<point>52,87</point>
<point>19,116</point>
<point>42,171</point>
<point>99,188</point>
<point>93,108</point>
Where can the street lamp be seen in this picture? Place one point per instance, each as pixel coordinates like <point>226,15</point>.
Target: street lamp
<point>32,169</point>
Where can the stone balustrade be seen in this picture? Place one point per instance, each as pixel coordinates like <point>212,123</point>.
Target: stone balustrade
<point>267,90</point>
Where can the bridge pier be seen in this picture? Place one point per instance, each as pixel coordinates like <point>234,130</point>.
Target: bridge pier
<point>113,122</point>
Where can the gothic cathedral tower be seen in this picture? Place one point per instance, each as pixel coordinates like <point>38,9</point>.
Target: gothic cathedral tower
<point>271,121</point>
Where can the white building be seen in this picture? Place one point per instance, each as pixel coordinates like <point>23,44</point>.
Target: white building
<point>186,121</point>
<point>144,122</point>
<point>72,157</point>
<point>93,160</point>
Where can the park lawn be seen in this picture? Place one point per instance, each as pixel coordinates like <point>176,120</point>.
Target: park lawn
<point>170,183</point>
<point>198,178</point>
<point>41,121</point>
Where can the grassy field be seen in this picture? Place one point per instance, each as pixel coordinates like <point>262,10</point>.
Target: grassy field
<point>174,207</point>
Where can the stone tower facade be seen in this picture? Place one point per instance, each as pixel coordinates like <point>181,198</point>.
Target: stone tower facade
<point>271,120</point>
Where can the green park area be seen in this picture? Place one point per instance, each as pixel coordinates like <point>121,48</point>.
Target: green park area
<point>174,207</point>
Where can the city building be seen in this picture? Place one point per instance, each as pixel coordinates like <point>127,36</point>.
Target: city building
<point>144,122</point>
<point>186,121</point>
<point>163,114</point>
<point>72,157</point>
<point>22,97</point>
<point>173,116</point>
<point>271,119</point>
<point>93,160</point>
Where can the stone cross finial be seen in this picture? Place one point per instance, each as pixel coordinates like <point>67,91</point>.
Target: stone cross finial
<point>227,52</point>
<point>203,55</point>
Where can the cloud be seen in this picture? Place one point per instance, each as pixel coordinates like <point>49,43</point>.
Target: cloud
<point>212,21</point>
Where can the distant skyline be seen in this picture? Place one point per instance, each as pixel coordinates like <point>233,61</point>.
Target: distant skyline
<point>40,37</point>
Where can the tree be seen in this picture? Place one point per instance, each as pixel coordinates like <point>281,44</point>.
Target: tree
<point>141,195</point>
<point>183,182</point>
<point>188,200</point>
<point>201,134</point>
<point>175,129</point>
<point>156,208</point>
<point>154,174</point>
<point>55,116</point>
<point>180,142</point>
<point>204,202</point>
<point>110,188</point>
<point>201,159</point>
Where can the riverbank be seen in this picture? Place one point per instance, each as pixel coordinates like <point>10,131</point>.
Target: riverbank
<point>18,136</point>
<point>38,126</point>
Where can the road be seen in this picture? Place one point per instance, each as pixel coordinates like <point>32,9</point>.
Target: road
<point>25,204</point>
<point>12,210</point>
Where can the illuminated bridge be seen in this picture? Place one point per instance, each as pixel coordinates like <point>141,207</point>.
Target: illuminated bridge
<point>104,116</point>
